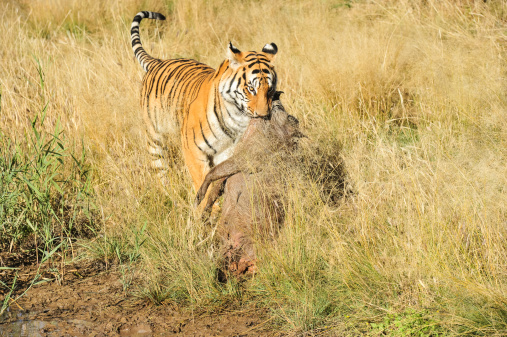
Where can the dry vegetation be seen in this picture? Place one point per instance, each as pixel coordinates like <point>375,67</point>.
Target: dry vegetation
<point>409,96</point>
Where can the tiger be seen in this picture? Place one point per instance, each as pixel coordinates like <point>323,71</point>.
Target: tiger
<point>210,108</point>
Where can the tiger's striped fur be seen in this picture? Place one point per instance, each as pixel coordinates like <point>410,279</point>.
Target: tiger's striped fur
<point>210,108</point>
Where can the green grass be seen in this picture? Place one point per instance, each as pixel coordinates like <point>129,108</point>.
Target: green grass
<point>408,323</point>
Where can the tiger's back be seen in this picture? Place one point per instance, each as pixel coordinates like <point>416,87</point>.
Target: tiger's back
<point>164,101</point>
<point>209,108</point>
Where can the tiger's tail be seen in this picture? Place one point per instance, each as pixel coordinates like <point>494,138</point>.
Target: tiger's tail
<point>141,54</point>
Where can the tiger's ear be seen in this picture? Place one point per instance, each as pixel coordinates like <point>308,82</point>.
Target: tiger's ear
<point>234,56</point>
<point>270,50</point>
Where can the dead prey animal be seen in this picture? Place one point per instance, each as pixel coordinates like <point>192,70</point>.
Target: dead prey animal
<point>250,183</point>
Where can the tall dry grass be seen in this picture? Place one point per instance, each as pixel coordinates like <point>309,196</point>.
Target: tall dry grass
<point>409,96</point>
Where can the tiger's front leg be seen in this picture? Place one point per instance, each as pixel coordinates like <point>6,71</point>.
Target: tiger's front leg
<point>198,164</point>
<point>197,143</point>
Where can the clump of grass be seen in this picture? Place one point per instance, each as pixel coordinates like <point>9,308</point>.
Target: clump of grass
<point>409,323</point>
<point>44,186</point>
<point>38,197</point>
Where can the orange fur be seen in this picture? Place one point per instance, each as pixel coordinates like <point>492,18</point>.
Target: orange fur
<point>210,108</point>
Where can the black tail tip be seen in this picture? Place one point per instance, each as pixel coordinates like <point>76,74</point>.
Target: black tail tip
<point>161,16</point>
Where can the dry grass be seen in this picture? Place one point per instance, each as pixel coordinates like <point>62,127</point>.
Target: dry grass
<point>410,95</point>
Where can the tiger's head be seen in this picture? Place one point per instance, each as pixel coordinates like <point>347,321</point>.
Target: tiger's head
<point>249,82</point>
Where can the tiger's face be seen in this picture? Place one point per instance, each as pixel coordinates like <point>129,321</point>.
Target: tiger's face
<point>249,83</point>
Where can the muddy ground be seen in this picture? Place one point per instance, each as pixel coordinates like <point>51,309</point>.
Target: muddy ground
<point>90,301</point>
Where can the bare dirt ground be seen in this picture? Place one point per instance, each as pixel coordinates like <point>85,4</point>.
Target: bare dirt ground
<point>90,301</point>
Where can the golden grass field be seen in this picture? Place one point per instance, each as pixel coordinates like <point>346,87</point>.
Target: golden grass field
<point>409,96</point>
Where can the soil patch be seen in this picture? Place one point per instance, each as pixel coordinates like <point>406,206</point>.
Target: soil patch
<point>88,300</point>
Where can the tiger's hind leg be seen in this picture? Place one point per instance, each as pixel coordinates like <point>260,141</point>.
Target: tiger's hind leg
<point>157,150</point>
<point>165,154</point>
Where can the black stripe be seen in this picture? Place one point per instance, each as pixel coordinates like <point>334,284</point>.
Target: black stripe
<point>219,116</point>
<point>273,84</point>
<point>229,113</point>
<point>232,81</point>
<point>236,105</point>
<point>209,126</point>
<point>205,139</point>
<point>252,64</point>
<point>210,161</point>
<point>134,42</point>
<point>138,50</point>
<point>193,131</point>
